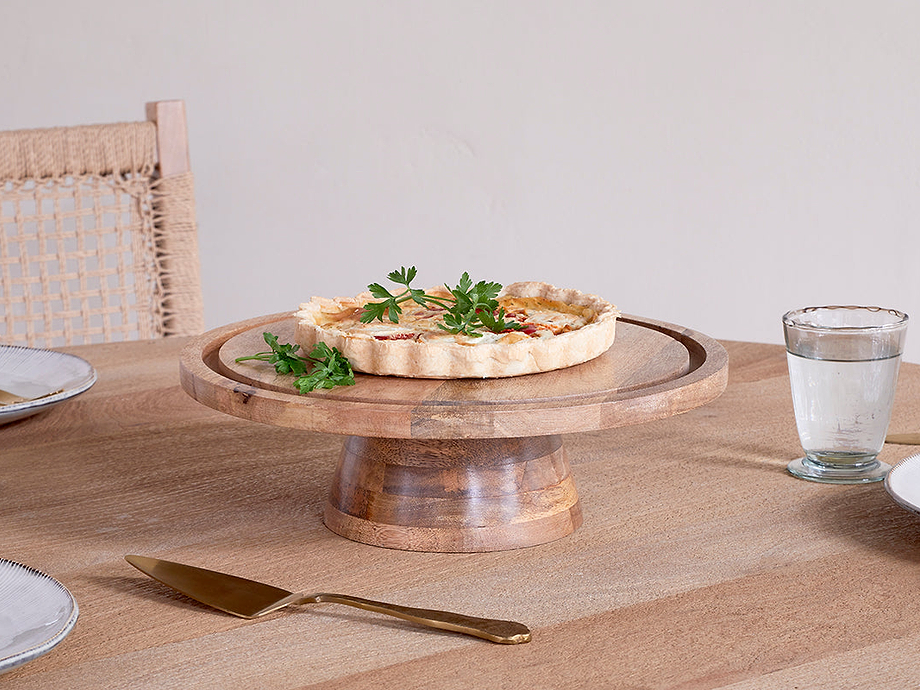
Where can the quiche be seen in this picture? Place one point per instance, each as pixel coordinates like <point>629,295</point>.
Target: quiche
<point>558,328</point>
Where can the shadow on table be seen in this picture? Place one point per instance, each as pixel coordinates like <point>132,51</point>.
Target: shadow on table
<point>868,516</point>
<point>761,457</point>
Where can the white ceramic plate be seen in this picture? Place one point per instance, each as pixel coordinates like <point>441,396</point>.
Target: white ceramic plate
<point>36,614</point>
<point>903,483</point>
<point>31,373</point>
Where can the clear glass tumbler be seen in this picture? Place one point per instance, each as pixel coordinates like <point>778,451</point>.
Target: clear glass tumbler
<point>843,368</point>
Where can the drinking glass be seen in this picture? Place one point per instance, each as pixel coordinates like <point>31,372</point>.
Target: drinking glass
<point>843,367</point>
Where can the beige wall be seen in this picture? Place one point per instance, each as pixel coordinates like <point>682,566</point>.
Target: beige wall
<point>707,163</point>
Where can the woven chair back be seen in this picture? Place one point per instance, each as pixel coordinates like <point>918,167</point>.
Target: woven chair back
<point>95,244</point>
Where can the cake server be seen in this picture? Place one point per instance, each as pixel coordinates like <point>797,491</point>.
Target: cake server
<point>251,599</point>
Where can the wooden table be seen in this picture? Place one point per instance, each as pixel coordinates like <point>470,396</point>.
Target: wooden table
<point>700,564</point>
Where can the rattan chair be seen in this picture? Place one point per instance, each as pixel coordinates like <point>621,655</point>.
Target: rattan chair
<point>97,233</point>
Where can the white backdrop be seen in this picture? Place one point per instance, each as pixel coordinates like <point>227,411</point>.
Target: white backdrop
<point>709,163</point>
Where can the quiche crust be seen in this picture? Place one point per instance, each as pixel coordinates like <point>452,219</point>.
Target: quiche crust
<point>404,350</point>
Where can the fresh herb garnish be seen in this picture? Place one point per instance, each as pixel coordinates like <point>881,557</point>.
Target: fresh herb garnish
<point>330,369</point>
<point>324,367</point>
<point>391,302</point>
<point>475,307</point>
<point>469,309</point>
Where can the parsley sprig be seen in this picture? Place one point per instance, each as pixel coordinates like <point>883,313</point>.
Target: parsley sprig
<point>324,367</point>
<point>469,309</point>
<point>390,303</point>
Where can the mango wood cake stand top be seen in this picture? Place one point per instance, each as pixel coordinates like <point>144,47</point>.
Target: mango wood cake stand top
<point>460,464</point>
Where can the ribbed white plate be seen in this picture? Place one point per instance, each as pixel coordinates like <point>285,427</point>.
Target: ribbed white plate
<point>903,483</point>
<point>28,372</point>
<point>36,613</point>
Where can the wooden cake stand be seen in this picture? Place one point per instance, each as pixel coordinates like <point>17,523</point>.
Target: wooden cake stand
<point>461,464</point>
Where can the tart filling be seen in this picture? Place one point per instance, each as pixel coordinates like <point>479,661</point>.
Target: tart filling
<point>559,328</point>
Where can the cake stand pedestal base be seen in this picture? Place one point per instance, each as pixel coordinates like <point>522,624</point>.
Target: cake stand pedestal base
<point>457,495</point>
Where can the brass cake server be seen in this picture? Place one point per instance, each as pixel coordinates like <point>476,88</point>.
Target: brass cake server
<point>251,599</point>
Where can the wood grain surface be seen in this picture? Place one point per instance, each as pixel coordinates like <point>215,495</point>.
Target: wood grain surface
<point>653,370</point>
<point>453,495</point>
<point>700,563</point>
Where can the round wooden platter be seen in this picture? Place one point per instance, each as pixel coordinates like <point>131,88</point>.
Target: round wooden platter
<point>460,464</point>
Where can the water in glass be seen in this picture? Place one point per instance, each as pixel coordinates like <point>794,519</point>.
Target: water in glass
<point>842,409</point>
